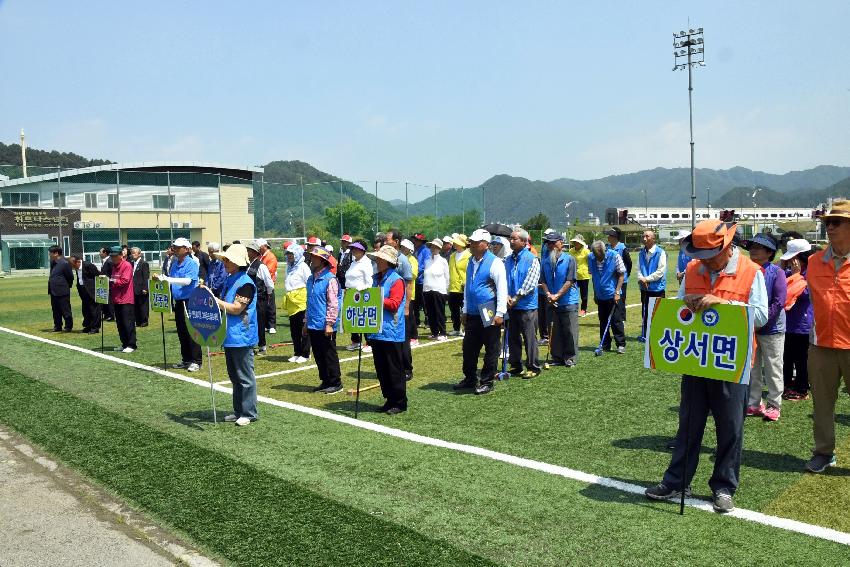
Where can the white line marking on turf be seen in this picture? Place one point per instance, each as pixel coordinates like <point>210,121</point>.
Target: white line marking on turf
<point>349,359</point>
<point>572,474</point>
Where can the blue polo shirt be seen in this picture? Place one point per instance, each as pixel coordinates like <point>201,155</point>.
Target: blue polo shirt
<point>188,269</point>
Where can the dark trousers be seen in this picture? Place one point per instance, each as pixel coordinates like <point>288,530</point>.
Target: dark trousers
<point>190,351</point>
<point>61,306</point>
<point>564,337</point>
<point>125,320</point>
<point>388,365</point>
<point>796,357</point>
<point>91,311</point>
<point>142,308</point>
<point>324,351</point>
<point>262,321</point>
<point>542,317</point>
<point>271,312</point>
<point>606,306</point>
<point>644,307</point>
<point>727,402</point>
<point>435,310</point>
<point>583,285</point>
<point>356,338</point>
<point>522,328</point>
<point>413,327</point>
<point>477,336</point>
<point>623,291</point>
<point>299,341</point>
<point>406,354</point>
<point>418,305</point>
<point>455,304</point>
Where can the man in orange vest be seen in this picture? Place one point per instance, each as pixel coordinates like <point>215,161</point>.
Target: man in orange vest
<point>828,277</point>
<point>718,274</point>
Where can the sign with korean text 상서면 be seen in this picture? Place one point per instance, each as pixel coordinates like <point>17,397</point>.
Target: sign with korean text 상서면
<point>204,318</point>
<point>716,343</point>
<point>101,289</point>
<point>160,296</point>
<point>362,310</point>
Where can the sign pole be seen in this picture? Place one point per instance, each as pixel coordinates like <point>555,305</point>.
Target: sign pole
<point>212,389</point>
<point>162,326</point>
<point>102,325</point>
<point>359,359</point>
<point>687,443</point>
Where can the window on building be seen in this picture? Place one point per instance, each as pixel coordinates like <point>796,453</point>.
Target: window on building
<point>653,215</point>
<point>20,199</point>
<point>675,215</point>
<point>112,200</point>
<point>163,201</point>
<point>782,215</point>
<point>665,216</point>
<point>59,199</point>
<point>773,215</point>
<point>91,200</point>
<point>250,205</point>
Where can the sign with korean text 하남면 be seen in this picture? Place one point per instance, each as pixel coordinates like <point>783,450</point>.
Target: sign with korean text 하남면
<point>207,325</point>
<point>716,343</point>
<point>160,296</point>
<point>362,310</point>
<point>101,289</point>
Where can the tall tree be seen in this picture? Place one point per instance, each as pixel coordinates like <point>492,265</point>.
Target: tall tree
<point>537,222</point>
<point>355,218</point>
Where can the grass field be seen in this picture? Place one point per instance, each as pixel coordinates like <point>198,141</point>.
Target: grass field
<point>297,489</point>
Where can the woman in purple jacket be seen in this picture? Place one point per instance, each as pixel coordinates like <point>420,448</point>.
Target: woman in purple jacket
<point>798,320</point>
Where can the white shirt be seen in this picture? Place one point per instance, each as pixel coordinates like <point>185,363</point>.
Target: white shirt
<point>264,275</point>
<point>80,276</point>
<point>297,278</point>
<point>436,275</point>
<point>497,274</point>
<point>359,274</point>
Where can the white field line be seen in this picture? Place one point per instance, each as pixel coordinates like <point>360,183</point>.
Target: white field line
<point>557,470</point>
<point>349,359</point>
<point>421,345</point>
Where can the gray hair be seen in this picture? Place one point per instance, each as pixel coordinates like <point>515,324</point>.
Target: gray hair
<point>135,249</point>
<point>522,234</point>
<point>213,246</point>
<point>597,244</point>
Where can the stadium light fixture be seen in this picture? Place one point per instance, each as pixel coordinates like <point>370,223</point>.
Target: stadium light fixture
<point>688,58</point>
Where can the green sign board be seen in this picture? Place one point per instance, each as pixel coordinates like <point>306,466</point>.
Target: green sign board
<point>715,343</point>
<point>204,318</point>
<point>101,290</point>
<point>160,296</point>
<point>362,310</point>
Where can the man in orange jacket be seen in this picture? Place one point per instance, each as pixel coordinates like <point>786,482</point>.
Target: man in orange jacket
<point>718,274</point>
<point>828,277</point>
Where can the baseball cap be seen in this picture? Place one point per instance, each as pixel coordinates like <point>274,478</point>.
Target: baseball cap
<point>182,242</point>
<point>709,238</point>
<point>314,241</point>
<point>346,238</point>
<point>407,244</point>
<point>763,240</point>
<point>262,242</point>
<point>419,236</point>
<point>796,246</point>
<point>480,234</point>
<point>553,236</point>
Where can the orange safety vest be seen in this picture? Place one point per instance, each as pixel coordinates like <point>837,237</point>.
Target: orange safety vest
<point>830,295</point>
<point>796,286</point>
<point>734,287</point>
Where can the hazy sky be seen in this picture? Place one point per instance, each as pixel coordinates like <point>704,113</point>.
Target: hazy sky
<point>431,92</point>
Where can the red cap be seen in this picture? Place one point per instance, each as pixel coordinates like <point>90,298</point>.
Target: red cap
<point>314,241</point>
<point>346,238</point>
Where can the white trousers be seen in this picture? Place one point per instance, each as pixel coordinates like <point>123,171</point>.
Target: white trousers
<point>767,370</point>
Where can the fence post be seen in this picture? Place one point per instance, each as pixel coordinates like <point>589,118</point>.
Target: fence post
<point>303,214</point>
<point>220,216</point>
<point>462,212</point>
<point>118,198</point>
<point>170,219</point>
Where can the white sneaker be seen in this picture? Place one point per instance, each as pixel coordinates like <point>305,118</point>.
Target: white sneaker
<point>442,338</point>
<point>243,421</point>
<point>230,418</point>
<point>301,359</point>
<point>272,331</point>
<point>292,359</point>
<point>414,342</point>
<point>352,346</point>
<point>193,367</point>
<point>128,350</point>
<point>367,348</point>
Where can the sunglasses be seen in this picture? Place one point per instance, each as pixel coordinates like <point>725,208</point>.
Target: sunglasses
<point>836,222</point>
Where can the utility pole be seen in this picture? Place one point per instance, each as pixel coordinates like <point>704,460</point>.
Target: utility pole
<point>406,203</point>
<point>303,214</point>
<point>341,229</point>
<point>462,212</point>
<point>24,152</point>
<point>436,216</point>
<point>692,42</point>
<point>376,207</point>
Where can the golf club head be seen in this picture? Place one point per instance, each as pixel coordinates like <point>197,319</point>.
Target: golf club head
<point>501,376</point>
<point>597,352</point>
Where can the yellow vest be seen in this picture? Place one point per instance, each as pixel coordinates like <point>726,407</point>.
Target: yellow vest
<point>457,271</point>
<point>414,267</point>
<point>295,301</point>
<point>582,269</point>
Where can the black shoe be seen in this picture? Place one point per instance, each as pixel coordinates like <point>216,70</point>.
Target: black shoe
<point>671,444</point>
<point>319,388</point>
<point>94,331</point>
<point>464,385</point>
<point>515,371</point>
<point>85,330</point>
<point>484,388</point>
<point>67,330</point>
<point>663,492</point>
<point>331,390</point>
<point>722,502</point>
<point>385,407</point>
<point>56,330</point>
<point>408,376</point>
<point>143,325</point>
<point>110,319</point>
<point>395,411</point>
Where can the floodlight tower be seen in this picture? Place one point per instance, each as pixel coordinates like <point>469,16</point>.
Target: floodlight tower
<point>689,44</point>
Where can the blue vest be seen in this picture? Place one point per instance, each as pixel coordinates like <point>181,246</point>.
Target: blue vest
<point>682,261</point>
<point>242,328</point>
<point>555,277</point>
<point>517,270</point>
<point>479,289</point>
<point>188,269</point>
<point>392,329</point>
<point>619,250</point>
<point>648,265</point>
<point>317,300</point>
<point>604,278</point>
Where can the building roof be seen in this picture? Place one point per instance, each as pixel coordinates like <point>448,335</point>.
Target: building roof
<point>243,172</point>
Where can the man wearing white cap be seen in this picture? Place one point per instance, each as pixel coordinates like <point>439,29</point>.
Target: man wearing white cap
<point>405,270</point>
<point>270,260</point>
<point>486,292</point>
<point>183,277</point>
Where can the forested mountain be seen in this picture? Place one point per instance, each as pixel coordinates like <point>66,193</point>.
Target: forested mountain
<point>40,161</point>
